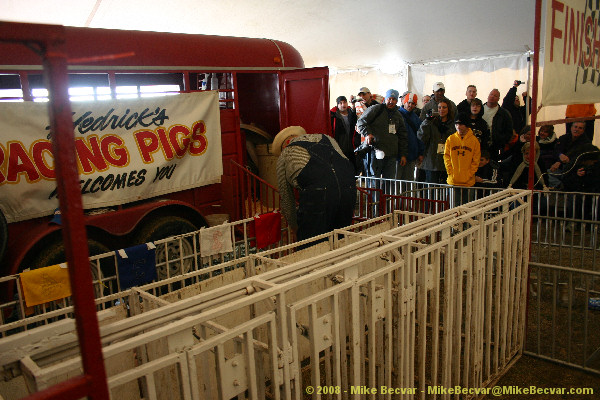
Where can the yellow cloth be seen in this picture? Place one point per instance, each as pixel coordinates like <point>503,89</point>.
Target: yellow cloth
<point>45,284</point>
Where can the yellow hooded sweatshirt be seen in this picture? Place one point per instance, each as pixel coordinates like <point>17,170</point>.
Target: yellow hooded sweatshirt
<point>461,157</point>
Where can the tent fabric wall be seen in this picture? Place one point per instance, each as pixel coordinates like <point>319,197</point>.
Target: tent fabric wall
<point>346,83</point>
<point>487,74</point>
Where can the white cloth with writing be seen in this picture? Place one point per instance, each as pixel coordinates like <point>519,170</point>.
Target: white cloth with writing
<point>216,240</point>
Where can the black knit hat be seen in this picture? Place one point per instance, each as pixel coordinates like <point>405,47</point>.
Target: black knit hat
<point>462,118</point>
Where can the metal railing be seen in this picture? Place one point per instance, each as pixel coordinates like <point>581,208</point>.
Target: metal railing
<point>435,302</point>
<point>564,316</point>
<point>565,262</point>
<point>253,194</point>
<point>175,257</point>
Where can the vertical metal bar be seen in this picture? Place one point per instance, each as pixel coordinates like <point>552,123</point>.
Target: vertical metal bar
<point>585,321</point>
<point>337,345</point>
<point>435,314</point>
<point>151,385</point>
<point>569,315</point>
<point>387,381</point>
<point>275,383</point>
<point>220,364</point>
<point>356,335</point>
<point>534,88</point>
<point>420,264</point>
<point>25,88</point>
<point>370,321</point>
<point>73,229</point>
<point>251,365</point>
<point>315,368</point>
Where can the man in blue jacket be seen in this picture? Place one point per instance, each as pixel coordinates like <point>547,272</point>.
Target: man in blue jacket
<point>416,147</point>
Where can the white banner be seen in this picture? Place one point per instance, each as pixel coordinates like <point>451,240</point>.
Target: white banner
<point>572,61</point>
<point>127,150</point>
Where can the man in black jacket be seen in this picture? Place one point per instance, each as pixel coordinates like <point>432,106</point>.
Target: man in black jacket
<point>465,105</point>
<point>343,124</point>
<point>500,123</point>
<point>569,147</point>
<point>512,104</point>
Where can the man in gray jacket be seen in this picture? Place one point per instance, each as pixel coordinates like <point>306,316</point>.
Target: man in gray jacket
<point>430,109</point>
<point>383,128</point>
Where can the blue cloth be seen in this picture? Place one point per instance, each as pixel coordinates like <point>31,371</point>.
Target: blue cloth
<point>416,147</point>
<point>138,268</point>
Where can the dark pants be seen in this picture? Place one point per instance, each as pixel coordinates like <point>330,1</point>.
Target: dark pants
<point>436,176</point>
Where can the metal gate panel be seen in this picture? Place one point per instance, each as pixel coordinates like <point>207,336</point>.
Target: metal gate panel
<point>427,303</point>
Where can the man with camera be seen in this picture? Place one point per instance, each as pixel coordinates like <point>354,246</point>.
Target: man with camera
<point>430,109</point>
<point>382,127</point>
<point>512,104</point>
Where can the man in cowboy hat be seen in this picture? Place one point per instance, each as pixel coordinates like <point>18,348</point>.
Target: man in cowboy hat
<point>316,166</point>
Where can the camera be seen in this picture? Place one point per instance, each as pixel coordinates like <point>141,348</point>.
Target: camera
<point>431,114</point>
<point>518,83</point>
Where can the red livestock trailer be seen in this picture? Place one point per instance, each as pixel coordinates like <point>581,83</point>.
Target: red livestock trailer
<point>261,82</point>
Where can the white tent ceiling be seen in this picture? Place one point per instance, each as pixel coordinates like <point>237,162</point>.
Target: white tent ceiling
<point>343,35</point>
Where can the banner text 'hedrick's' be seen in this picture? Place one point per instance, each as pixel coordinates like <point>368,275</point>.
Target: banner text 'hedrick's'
<point>572,60</point>
<point>127,150</point>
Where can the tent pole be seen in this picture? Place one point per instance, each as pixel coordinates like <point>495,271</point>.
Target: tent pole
<point>534,89</point>
<point>526,99</point>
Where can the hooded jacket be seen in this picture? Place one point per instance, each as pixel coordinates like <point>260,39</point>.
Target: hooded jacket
<point>412,123</point>
<point>481,131</point>
<point>461,157</point>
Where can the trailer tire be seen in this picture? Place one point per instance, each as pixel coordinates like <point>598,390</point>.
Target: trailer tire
<point>164,227</point>
<point>54,253</point>
<point>3,234</point>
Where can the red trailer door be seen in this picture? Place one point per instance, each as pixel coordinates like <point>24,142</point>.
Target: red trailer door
<point>305,99</point>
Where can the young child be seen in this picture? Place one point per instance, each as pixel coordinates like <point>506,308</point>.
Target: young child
<point>525,163</point>
<point>487,173</point>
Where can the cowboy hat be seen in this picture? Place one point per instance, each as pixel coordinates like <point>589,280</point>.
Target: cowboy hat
<point>283,135</point>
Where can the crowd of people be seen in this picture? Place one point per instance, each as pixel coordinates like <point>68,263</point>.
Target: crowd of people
<point>473,144</point>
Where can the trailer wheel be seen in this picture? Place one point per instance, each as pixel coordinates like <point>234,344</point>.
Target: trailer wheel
<point>180,252</point>
<point>54,253</point>
<point>3,234</point>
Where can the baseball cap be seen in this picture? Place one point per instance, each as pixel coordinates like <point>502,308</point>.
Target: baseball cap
<point>363,90</point>
<point>392,93</point>
<point>438,85</point>
<point>409,97</point>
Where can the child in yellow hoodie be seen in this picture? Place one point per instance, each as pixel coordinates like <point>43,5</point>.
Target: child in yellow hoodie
<point>461,156</point>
